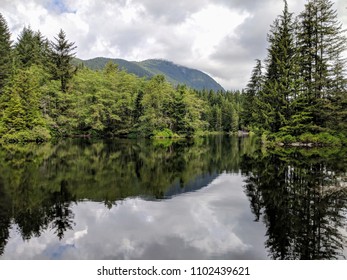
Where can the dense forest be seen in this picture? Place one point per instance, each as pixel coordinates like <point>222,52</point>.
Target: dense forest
<point>44,95</point>
<point>299,95</point>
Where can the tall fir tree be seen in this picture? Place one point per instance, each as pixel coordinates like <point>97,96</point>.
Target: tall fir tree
<point>279,86</point>
<point>31,48</point>
<point>321,45</point>
<point>251,94</point>
<point>62,55</point>
<point>5,53</point>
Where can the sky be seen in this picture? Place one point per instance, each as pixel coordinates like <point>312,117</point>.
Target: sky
<point>222,38</point>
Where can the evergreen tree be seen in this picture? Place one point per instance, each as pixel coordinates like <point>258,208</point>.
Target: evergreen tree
<point>62,55</point>
<point>138,106</point>
<point>178,111</point>
<point>21,118</point>
<point>251,94</point>
<point>31,48</point>
<point>156,102</point>
<point>5,52</point>
<point>321,44</point>
<point>279,84</point>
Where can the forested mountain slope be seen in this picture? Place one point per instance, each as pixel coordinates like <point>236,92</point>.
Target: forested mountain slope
<point>175,74</point>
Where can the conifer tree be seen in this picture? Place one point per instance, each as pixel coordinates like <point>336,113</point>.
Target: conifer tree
<point>253,89</point>
<point>279,84</point>
<point>321,44</point>
<point>62,55</point>
<point>21,118</point>
<point>25,48</point>
<point>5,52</point>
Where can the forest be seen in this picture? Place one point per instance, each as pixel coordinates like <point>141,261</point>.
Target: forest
<point>297,95</point>
<point>43,95</point>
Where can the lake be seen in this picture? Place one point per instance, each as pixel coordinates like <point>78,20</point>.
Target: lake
<point>208,198</point>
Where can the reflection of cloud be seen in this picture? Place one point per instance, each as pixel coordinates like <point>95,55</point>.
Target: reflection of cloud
<point>213,222</point>
<point>77,235</point>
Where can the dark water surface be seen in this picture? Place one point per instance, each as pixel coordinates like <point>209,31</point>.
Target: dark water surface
<point>213,198</point>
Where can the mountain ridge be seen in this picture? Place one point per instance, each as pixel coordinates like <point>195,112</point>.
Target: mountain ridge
<point>174,73</point>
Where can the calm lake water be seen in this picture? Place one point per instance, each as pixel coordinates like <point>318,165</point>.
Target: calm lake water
<point>211,198</point>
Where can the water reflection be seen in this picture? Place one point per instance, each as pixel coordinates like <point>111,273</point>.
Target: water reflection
<point>301,195</point>
<point>171,200</point>
<point>191,226</point>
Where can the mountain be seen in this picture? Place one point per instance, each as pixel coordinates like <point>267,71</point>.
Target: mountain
<point>175,74</point>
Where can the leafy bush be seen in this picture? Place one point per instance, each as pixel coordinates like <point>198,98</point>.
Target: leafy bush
<point>40,134</point>
<point>327,139</point>
<point>37,134</point>
<point>323,138</point>
<point>165,133</point>
<point>307,138</point>
<point>288,139</point>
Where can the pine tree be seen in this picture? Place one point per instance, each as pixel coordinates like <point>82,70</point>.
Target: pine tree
<point>156,103</point>
<point>30,48</point>
<point>252,92</point>
<point>279,86</point>
<point>179,109</point>
<point>321,44</point>
<point>21,118</point>
<point>62,55</point>
<point>5,53</point>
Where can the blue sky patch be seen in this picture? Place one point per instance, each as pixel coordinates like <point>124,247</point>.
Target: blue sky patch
<point>59,6</point>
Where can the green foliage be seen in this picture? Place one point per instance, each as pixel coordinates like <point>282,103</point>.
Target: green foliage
<point>251,97</point>
<point>288,139</point>
<point>304,89</point>
<point>307,138</point>
<point>21,118</point>
<point>174,74</point>
<point>5,53</point>
<point>165,133</point>
<point>61,56</point>
<point>31,48</point>
<point>325,139</point>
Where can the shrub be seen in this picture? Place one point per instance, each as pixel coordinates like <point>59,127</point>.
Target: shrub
<point>307,138</point>
<point>323,138</point>
<point>327,139</point>
<point>37,134</point>
<point>165,133</point>
<point>288,139</point>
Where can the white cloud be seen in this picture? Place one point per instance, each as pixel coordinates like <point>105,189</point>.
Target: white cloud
<point>220,37</point>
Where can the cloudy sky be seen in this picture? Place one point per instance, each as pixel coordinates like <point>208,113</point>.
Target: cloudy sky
<point>220,37</point>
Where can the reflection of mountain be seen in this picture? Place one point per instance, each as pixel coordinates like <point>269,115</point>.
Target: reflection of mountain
<point>191,186</point>
<point>301,201</point>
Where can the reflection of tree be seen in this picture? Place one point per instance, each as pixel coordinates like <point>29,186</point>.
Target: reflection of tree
<point>59,212</point>
<point>54,210</point>
<point>28,200</point>
<point>40,182</point>
<point>302,203</point>
<point>5,218</point>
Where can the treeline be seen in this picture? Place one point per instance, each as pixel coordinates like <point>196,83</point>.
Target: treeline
<point>299,94</point>
<point>44,95</point>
